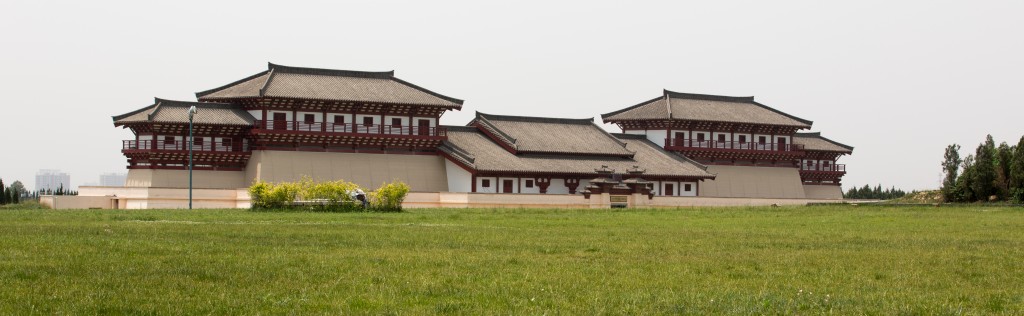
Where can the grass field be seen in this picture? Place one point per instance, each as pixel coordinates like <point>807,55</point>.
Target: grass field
<point>806,260</point>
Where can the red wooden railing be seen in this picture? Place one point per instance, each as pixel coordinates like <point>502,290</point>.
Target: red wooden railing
<point>820,167</point>
<point>226,145</point>
<point>328,127</point>
<point>693,143</point>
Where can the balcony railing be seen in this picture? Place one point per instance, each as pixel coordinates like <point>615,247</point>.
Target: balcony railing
<point>327,127</point>
<point>693,143</point>
<point>226,145</point>
<point>820,167</point>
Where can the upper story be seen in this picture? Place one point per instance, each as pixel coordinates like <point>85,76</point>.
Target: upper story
<point>714,129</point>
<point>309,107</point>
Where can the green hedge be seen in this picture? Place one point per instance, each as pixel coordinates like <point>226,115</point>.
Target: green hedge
<point>328,196</point>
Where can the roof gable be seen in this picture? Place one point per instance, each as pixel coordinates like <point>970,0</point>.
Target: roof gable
<point>550,135</point>
<point>329,84</point>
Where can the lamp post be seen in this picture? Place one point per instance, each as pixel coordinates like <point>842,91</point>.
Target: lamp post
<point>191,112</point>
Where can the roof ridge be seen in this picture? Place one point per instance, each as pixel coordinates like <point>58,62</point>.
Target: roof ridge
<point>123,116</point>
<point>331,72</point>
<point>263,89</point>
<point>497,132</point>
<point>156,107</point>
<point>706,97</point>
<point>201,94</point>
<point>808,122</point>
<point>603,116</point>
<point>537,119</point>
<point>444,97</point>
<point>170,102</point>
<point>818,134</point>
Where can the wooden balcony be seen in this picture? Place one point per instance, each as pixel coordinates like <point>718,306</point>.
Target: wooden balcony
<point>154,154</point>
<point>301,133</point>
<point>822,174</point>
<point>710,149</point>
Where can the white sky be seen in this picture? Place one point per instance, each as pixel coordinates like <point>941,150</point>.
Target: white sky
<point>897,80</point>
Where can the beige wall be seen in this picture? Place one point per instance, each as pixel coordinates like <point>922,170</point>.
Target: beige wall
<point>202,179</point>
<point>824,192</point>
<point>423,173</point>
<point>753,182</point>
<point>65,202</point>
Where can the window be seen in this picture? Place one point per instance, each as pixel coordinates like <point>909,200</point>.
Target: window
<point>700,137</point>
<point>225,142</point>
<point>198,142</point>
<point>367,121</point>
<point>486,183</point>
<point>721,137</point>
<point>396,122</point>
<point>308,118</point>
<point>339,120</point>
<point>743,138</point>
<point>761,140</point>
<point>528,183</point>
<point>169,140</point>
<point>688,187</point>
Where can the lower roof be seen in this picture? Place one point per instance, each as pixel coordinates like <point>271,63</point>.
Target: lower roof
<point>475,150</point>
<point>170,111</point>
<point>816,142</point>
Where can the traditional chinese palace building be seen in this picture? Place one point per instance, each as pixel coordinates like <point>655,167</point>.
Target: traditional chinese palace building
<point>286,123</point>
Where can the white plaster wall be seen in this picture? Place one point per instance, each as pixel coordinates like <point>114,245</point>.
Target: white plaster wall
<point>524,189</point>
<point>459,180</point>
<point>515,184</point>
<point>684,192</point>
<point>635,132</point>
<point>493,188</point>
<point>736,137</point>
<point>656,187</point>
<point>258,114</point>
<point>558,186</point>
<point>657,137</point>
<point>287,114</point>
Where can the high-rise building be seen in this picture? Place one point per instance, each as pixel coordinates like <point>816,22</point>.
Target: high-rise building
<point>113,179</point>
<point>52,179</point>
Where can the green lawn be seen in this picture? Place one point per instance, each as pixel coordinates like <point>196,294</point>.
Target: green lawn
<point>806,260</point>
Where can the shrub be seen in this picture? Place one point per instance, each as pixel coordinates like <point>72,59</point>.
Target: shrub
<point>389,197</point>
<point>329,196</point>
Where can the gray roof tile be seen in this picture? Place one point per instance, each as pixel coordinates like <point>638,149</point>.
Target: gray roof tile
<point>169,111</point>
<point>552,135</point>
<point>478,151</point>
<point>700,107</point>
<point>814,141</point>
<point>333,85</point>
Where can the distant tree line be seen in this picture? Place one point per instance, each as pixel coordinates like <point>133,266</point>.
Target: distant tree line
<point>992,173</point>
<point>869,193</point>
<point>12,194</point>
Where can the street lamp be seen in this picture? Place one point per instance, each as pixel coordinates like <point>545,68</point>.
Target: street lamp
<point>191,112</point>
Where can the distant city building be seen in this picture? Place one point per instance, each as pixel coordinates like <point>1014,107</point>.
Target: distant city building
<point>50,179</point>
<point>113,179</point>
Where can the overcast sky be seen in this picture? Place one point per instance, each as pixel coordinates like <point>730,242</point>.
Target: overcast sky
<point>897,80</point>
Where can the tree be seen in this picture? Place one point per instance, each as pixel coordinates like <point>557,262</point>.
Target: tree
<point>3,194</point>
<point>1016,182</point>
<point>985,173</point>
<point>950,167</point>
<point>1003,160</point>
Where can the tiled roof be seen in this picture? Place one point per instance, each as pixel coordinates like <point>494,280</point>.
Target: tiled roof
<point>327,84</point>
<point>169,111</point>
<point>473,148</point>
<point>551,135</point>
<point>701,107</point>
<point>814,141</point>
